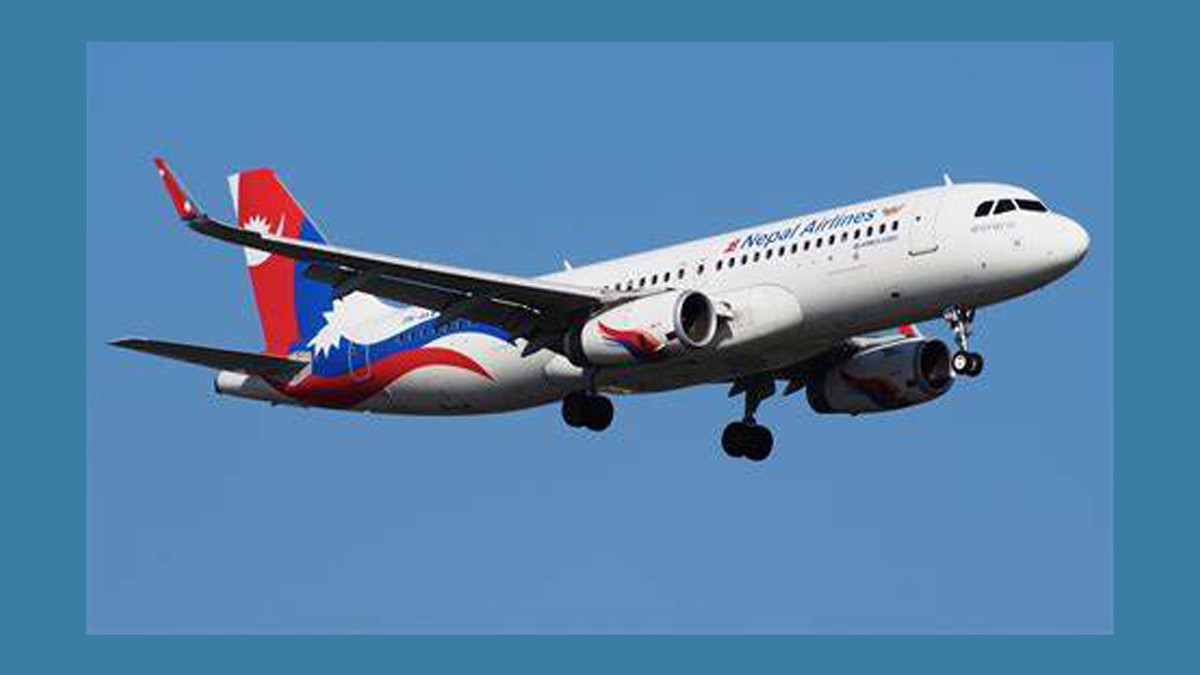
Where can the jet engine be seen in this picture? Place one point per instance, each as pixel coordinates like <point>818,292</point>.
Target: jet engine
<point>645,330</point>
<point>882,377</point>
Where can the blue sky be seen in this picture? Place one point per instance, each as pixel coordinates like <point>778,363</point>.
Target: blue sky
<point>989,510</point>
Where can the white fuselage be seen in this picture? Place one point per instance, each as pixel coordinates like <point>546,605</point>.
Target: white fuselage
<point>794,288</point>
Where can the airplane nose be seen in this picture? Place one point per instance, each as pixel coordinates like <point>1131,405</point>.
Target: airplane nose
<point>1076,242</point>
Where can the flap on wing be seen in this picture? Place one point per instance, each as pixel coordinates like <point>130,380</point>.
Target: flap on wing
<point>212,357</point>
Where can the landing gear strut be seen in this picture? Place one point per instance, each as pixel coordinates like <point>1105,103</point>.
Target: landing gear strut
<point>964,361</point>
<point>581,409</point>
<point>747,438</point>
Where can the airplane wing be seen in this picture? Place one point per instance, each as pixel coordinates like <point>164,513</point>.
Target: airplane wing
<point>220,359</point>
<point>481,296</point>
<point>535,309</point>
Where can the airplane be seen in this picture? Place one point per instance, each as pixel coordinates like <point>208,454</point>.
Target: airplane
<point>798,302</point>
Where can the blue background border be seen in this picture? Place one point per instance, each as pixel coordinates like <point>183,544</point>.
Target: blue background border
<point>44,459</point>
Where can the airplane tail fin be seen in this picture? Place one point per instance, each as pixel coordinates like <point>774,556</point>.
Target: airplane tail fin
<point>290,305</point>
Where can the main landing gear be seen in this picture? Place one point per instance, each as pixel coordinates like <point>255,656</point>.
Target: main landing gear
<point>964,361</point>
<point>581,409</point>
<point>747,438</point>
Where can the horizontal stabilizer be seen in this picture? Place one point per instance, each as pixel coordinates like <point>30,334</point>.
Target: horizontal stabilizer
<point>221,359</point>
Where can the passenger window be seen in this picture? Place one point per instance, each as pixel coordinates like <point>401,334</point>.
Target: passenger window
<point>700,269</point>
<point>845,236</point>
<point>1004,206</point>
<point>857,234</point>
<point>832,238</point>
<point>819,242</point>
<point>870,230</point>
<point>794,247</point>
<point>769,254</point>
<point>783,249</point>
<point>680,275</point>
<point>756,256</point>
<point>806,245</point>
<point>720,264</point>
<point>654,280</point>
<point>983,209</point>
<point>895,225</point>
<point>641,282</point>
<point>745,259</point>
<point>1031,205</point>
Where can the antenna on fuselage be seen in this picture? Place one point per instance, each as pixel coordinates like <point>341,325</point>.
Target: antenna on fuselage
<point>946,179</point>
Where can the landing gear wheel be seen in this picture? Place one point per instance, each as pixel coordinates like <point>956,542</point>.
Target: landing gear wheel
<point>976,364</point>
<point>599,413</point>
<point>969,364</point>
<point>761,443</point>
<point>733,439</point>
<point>574,409</point>
<point>580,409</point>
<point>747,440</point>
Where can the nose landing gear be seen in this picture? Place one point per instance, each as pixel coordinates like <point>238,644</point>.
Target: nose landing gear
<point>964,362</point>
<point>747,438</point>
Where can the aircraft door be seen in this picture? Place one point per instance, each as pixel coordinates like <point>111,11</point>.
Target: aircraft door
<point>922,225</point>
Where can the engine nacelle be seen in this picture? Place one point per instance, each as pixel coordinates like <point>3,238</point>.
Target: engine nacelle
<point>645,330</point>
<point>884,377</point>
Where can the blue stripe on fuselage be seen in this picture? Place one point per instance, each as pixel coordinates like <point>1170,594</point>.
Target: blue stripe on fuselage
<point>336,361</point>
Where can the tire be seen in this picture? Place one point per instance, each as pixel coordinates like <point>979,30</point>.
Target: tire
<point>733,439</point>
<point>961,363</point>
<point>599,413</point>
<point>761,443</point>
<point>976,364</point>
<point>574,409</point>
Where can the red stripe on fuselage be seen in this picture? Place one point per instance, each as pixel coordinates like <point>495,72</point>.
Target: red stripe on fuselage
<point>351,389</point>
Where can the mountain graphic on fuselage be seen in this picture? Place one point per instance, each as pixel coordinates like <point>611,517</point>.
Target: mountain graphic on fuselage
<point>362,319</point>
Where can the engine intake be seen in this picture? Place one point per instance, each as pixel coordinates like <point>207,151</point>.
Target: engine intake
<point>695,319</point>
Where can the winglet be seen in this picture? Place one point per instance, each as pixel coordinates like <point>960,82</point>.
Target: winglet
<point>185,206</point>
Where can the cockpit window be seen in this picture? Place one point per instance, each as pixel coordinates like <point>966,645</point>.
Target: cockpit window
<point>983,209</point>
<point>1031,205</point>
<point>1004,206</point>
